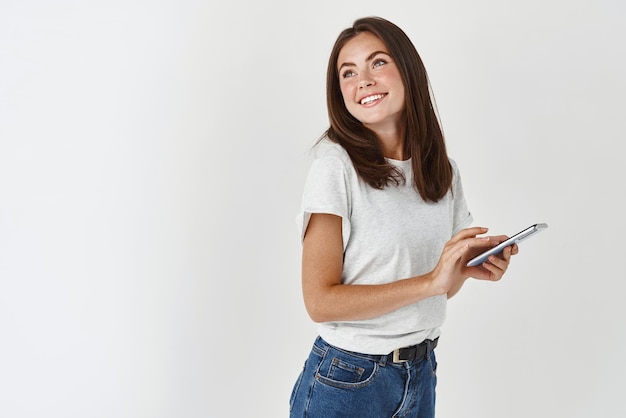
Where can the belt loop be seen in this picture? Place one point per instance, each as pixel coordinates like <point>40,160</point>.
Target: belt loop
<point>432,344</point>
<point>429,346</point>
<point>382,361</point>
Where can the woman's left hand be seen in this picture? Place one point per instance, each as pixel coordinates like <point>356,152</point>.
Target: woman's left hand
<point>496,265</point>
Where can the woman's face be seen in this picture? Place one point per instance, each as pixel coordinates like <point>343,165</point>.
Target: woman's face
<point>370,83</point>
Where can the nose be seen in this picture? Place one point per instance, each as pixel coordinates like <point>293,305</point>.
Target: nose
<point>366,82</point>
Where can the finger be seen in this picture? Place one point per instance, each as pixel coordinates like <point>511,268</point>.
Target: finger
<point>471,242</point>
<point>497,239</point>
<point>506,254</point>
<point>468,233</point>
<point>458,251</point>
<point>486,271</point>
<point>502,261</point>
<point>495,273</point>
<point>497,262</point>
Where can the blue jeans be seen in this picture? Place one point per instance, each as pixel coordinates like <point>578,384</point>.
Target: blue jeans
<point>340,384</point>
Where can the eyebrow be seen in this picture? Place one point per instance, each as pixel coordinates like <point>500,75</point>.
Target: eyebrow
<point>369,57</point>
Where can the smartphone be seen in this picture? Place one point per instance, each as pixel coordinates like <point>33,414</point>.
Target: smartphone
<point>519,237</point>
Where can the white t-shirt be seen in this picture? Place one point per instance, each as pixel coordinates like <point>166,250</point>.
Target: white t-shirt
<point>388,235</point>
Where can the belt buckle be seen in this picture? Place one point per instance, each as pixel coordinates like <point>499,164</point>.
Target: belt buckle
<point>396,356</point>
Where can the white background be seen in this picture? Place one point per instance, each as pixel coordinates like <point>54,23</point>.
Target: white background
<point>152,158</point>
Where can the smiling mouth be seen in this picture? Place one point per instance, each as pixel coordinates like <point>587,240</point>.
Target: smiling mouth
<point>372,98</point>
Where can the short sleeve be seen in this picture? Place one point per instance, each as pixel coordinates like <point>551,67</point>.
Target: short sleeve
<point>326,190</point>
<point>462,216</point>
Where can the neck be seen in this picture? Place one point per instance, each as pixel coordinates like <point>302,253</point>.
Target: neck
<point>392,144</point>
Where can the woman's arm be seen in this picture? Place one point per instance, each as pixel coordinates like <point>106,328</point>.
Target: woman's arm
<point>326,299</point>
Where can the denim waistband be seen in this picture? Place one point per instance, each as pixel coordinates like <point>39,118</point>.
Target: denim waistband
<point>415,352</point>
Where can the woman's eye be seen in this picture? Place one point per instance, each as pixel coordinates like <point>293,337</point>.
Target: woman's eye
<point>348,73</point>
<point>379,62</point>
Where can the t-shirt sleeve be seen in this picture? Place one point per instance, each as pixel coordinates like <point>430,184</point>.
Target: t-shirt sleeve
<point>326,190</point>
<point>462,216</point>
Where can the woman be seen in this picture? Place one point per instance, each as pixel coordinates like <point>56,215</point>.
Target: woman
<point>385,235</point>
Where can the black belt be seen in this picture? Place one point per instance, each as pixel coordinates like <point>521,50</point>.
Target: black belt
<point>414,352</point>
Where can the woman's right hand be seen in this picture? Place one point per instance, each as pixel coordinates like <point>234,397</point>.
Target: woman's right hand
<point>451,272</point>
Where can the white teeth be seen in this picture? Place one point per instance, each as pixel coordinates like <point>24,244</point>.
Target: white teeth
<point>370,99</point>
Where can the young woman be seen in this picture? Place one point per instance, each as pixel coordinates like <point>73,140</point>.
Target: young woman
<point>385,235</point>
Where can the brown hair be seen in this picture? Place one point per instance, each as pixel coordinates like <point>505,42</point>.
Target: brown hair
<point>424,142</point>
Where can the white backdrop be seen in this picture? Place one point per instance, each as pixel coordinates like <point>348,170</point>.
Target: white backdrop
<point>152,157</point>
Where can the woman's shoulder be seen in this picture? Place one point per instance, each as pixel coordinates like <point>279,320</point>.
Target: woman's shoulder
<point>328,153</point>
<point>327,149</point>
<point>456,173</point>
<point>455,167</point>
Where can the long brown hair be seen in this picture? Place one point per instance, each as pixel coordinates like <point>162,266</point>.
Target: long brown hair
<point>424,142</point>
